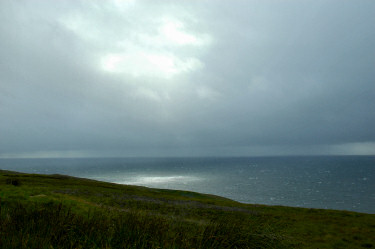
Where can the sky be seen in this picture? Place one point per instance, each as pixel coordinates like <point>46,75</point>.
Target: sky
<point>186,78</point>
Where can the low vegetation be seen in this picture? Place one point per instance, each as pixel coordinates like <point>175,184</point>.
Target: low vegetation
<point>55,211</point>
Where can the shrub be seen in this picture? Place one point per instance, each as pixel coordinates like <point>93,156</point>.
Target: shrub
<point>14,182</point>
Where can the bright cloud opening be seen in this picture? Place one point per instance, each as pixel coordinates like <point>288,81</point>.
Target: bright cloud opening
<point>144,63</point>
<point>163,63</point>
<point>172,30</point>
<point>110,62</point>
<point>158,50</point>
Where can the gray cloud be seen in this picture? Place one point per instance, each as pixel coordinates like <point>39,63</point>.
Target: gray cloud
<point>186,78</point>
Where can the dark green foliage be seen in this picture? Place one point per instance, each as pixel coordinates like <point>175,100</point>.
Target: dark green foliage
<point>51,225</point>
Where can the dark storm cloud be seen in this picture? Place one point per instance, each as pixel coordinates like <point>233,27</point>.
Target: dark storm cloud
<point>186,78</point>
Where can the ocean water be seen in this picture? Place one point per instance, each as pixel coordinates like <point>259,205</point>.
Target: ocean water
<point>340,182</point>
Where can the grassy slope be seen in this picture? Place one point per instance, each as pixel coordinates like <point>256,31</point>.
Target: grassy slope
<point>54,211</point>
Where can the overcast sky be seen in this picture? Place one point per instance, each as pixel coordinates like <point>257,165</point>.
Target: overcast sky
<point>186,78</point>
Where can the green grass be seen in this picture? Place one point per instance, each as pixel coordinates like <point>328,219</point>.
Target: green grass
<point>55,211</point>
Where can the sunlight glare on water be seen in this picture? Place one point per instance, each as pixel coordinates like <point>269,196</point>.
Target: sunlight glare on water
<point>151,181</point>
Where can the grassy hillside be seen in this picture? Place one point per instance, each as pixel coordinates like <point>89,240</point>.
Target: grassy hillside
<point>55,211</point>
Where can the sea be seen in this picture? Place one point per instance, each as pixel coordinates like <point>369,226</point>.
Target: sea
<point>325,182</point>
